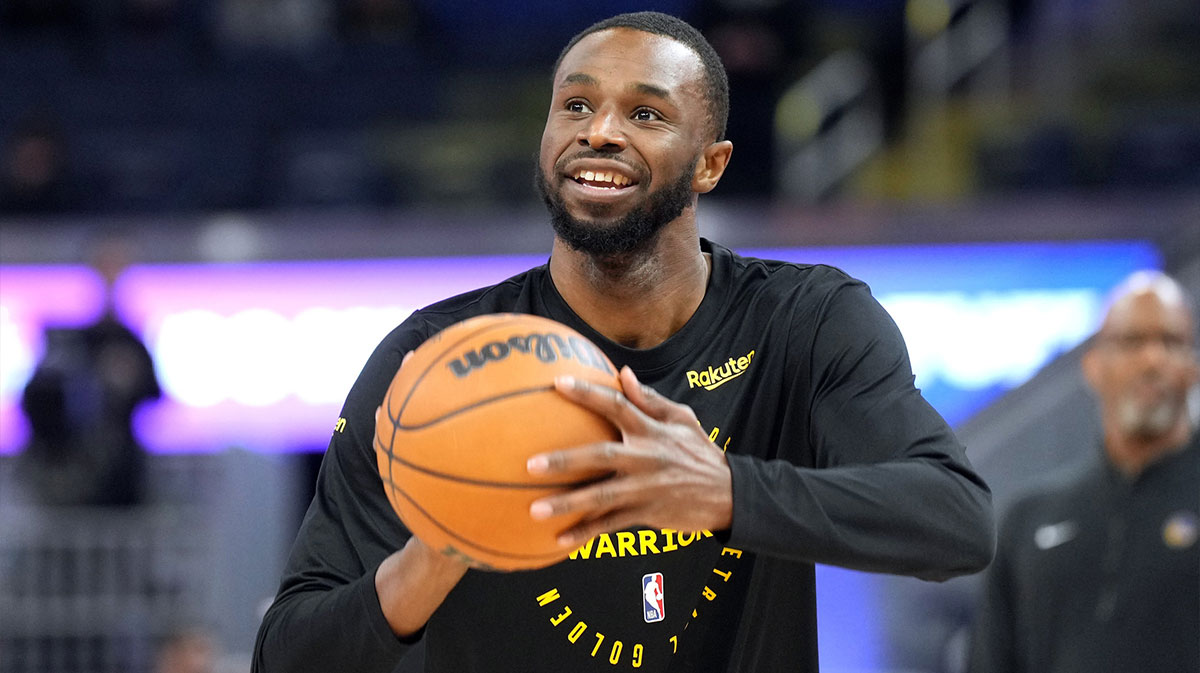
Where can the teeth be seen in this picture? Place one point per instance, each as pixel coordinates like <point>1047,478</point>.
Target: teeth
<point>592,176</point>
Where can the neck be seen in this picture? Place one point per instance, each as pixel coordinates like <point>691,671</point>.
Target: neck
<point>1132,454</point>
<point>637,300</point>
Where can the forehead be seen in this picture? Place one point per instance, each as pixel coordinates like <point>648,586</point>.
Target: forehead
<point>1149,311</point>
<point>627,56</point>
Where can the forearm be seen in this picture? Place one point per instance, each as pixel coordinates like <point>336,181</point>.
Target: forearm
<point>370,621</point>
<point>915,517</point>
<point>412,583</point>
<point>321,629</point>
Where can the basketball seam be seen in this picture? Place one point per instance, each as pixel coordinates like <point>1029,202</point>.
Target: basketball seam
<point>460,538</point>
<point>473,405</point>
<point>395,421</point>
<point>478,482</point>
<point>437,358</point>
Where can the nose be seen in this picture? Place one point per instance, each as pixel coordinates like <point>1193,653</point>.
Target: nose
<point>1157,353</point>
<point>603,133</point>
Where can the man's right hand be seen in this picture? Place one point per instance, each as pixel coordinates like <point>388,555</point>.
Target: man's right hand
<point>413,582</point>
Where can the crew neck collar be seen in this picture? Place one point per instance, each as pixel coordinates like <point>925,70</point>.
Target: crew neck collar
<point>648,360</point>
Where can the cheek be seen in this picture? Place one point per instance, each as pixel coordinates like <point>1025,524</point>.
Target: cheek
<point>1110,381</point>
<point>544,149</point>
<point>1188,375</point>
<point>551,149</point>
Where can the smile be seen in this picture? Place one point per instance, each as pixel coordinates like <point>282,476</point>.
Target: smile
<point>601,179</point>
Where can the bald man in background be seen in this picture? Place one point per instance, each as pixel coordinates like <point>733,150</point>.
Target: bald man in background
<point>1100,571</point>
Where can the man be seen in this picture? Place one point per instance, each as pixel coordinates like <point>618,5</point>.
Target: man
<point>769,422</point>
<point>1101,571</point>
<point>81,401</point>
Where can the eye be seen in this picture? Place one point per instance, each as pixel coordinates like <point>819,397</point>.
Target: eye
<point>578,106</point>
<point>645,114</point>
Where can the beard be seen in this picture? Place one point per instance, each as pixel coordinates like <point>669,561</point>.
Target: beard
<point>1149,421</point>
<point>636,231</point>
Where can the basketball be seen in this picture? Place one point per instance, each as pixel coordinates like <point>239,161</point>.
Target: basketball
<point>461,418</point>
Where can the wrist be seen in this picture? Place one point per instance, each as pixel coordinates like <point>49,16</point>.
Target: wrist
<point>412,583</point>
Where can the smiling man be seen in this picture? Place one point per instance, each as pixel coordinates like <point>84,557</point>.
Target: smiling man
<point>808,443</point>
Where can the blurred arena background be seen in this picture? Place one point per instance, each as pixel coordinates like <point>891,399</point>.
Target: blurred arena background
<point>293,176</point>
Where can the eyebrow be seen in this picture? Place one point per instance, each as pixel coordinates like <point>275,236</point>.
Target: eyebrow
<point>578,78</point>
<point>583,79</point>
<point>651,90</point>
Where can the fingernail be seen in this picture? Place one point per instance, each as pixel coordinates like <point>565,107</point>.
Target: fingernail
<point>537,464</point>
<point>566,540</point>
<point>540,510</point>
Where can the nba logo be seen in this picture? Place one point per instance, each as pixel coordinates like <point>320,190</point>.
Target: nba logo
<point>652,597</point>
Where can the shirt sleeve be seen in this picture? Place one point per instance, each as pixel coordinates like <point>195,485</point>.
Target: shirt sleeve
<point>879,482</point>
<point>327,612</point>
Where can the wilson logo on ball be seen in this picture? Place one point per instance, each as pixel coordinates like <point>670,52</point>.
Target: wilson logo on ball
<point>546,347</point>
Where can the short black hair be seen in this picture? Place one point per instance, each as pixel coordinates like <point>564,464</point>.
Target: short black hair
<point>657,23</point>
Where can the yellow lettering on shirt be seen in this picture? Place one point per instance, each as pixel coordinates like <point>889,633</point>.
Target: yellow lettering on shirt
<point>604,545</point>
<point>647,538</point>
<point>558,619</point>
<point>615,655</point>
<point>625,542</point>
<point>636,543</point>
<point>670,535</point>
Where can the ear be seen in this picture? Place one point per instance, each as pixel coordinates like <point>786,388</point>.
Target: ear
<point>711,166</point>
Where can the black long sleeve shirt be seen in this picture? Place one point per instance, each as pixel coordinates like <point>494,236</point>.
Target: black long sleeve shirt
<point>795,371</point>
<point>1097,573</point>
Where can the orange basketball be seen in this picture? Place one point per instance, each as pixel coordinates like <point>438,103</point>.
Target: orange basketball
<point>461,418</point>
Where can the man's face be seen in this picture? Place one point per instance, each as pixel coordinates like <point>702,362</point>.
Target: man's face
<point>626,128</point>
<point>1144,364</point>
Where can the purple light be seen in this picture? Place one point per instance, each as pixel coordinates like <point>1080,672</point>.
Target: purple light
<point>31,299</point>
<point>261,356</point>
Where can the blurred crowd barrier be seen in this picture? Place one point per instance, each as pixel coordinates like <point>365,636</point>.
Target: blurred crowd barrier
<point>136,589</point>
<point>93,589</point>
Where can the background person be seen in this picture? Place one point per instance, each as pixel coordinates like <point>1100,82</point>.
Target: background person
<point>80,403</point>
<point>1100,571</point>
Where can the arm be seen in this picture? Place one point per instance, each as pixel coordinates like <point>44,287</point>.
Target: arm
<point>357,587</point>
<point>891,489</point>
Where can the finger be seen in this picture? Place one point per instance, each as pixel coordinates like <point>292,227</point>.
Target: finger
<point>594,500</point>
<point>604,400</point>
<point>608,523</point>
<point>649,400</point>
<point>594,458</point>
